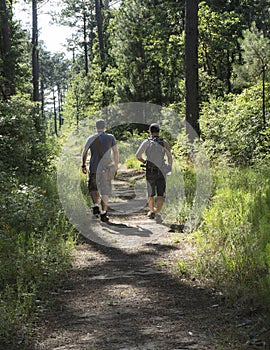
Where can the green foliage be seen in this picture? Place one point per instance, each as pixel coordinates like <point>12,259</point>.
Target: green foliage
<point>182,268</point>
<point>15,55</point>
<point>180,192</point>
<point>133,163</point>
<point>36,241</point>
<point>233,129</point>
<point>233,239</point>
<point>24,150</point>
<point>128,148</point>
<point>248,11</point>
<point>144,44</point>
<point>148,58</point>
<point>22,55</point>
<point>255,55</point>
<point>217,50</point>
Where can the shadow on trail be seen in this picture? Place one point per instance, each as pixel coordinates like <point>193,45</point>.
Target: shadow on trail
<point>126,300</point>
<point>126,230</point>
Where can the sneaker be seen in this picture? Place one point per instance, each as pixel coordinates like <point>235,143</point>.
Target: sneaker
<point>151,215</point>
<point>158,219</point>
<point>104,217</point>
<point>96,211</point>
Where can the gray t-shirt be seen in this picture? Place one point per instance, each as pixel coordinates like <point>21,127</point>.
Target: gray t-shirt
<point>100,147</point>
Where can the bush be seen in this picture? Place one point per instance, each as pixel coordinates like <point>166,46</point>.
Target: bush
<point>233,129</point>
<point>24,147</point>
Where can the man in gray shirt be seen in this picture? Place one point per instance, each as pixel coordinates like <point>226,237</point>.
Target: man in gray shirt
<point>155,149</point>
<point>100,145</point>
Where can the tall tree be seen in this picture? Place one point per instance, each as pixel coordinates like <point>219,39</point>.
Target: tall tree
<point>79,14</point>
<point>8,71</point>
<point>191,68</point>
<point>256,55</point>
<point>35,68</point>
<point>99,20</point>
<point>54,73</point>
<point>85,43</point>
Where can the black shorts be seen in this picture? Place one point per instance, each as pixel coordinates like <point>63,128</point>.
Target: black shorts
<point>97,183</point>
<point>156,184</point>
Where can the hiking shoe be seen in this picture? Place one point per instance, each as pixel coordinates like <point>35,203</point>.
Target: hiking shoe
<point>158,219</point>
<point>96,211</point>
<point>151,215</point>
<point>104,217</point>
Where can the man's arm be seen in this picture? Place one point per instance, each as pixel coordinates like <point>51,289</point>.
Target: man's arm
<point>84,154</point>
<point>168,152</point>
<point>140,152</point>
<point>115,156</point>
<point>84,157</point>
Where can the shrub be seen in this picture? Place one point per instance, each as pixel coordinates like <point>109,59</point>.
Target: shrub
<point>233,129</point>
<point>24,148</point>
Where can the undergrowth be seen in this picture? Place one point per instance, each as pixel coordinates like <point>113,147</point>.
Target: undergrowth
<point>35,246</point>
<point>233,239</point>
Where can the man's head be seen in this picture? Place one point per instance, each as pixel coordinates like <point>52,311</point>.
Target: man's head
<point>100,125</point>
<point>154,129</point>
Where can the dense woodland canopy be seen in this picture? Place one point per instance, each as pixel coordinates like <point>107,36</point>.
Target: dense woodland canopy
<point>206,60</point>
<point>136,51</point>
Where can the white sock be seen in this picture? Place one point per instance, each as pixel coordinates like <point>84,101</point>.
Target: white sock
<point>102,212</point>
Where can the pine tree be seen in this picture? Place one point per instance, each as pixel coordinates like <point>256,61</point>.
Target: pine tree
<point>191,68</point>
<point>256,55</point>
<point>7,84</point>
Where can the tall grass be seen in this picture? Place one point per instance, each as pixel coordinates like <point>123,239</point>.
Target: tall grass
<point>234,237</point>
<point>35,245</point>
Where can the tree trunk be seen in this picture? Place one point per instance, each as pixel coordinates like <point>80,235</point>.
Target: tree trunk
<point>263,95</point>
<point>191,69</point>
<point>100,34</point>
<point>7,87</point>
<point>35,68</point>
<point>106,5</point>
<point>42,99</point>
<point>55,114</point>
<point>85,44</point>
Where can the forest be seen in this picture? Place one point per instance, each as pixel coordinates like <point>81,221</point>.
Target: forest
<point>207,62</point>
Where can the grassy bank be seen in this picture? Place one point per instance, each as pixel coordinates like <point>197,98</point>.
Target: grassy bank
<point>232,239</point>
<point>35,245</point>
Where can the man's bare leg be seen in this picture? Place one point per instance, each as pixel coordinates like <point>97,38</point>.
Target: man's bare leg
<point>159,202</point>
<point>95,197</point>
<point>104,202</point>
<point>151,203</point>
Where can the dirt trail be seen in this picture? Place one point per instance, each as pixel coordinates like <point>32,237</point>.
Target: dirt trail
<point>131,298</point>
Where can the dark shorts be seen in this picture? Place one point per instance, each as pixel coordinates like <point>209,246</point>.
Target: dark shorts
<point>97,183</point>
<point>156,184</point>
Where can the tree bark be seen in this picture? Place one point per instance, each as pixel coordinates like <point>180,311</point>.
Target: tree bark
<point>8,86</point>
<point>35,68</point>
<point>85,44</point>
<point>100,34</point>
<point>106,5</point>
<point>263,95</point>
<point>191,69</point>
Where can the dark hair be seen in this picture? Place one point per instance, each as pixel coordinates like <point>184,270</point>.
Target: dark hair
<point>100,124</point>
<point>154,128</point>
